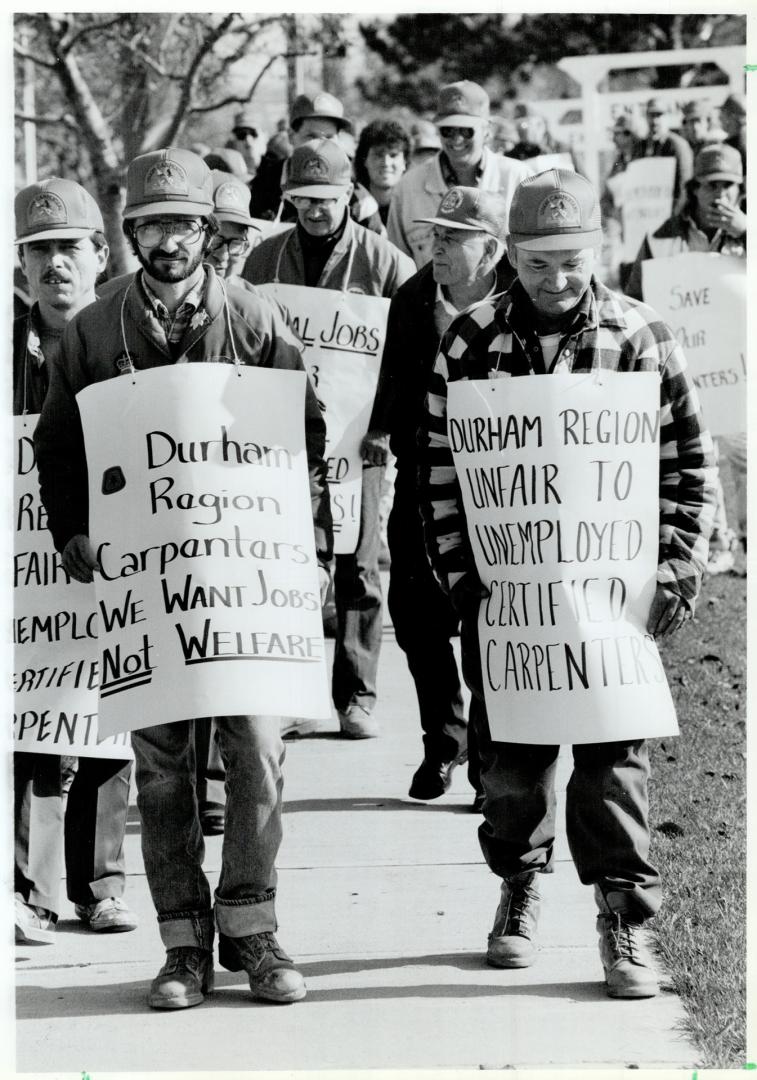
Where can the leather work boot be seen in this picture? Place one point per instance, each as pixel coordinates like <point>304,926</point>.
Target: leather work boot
<point>431,779</point>
<point>185,979</point>
<point>272,975</point>
<point>628,965</point>
<point>511,942</point>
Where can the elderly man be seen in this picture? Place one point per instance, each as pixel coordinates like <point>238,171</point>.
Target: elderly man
<point>462,119</point>
<point>326,249</point>
<point>558,318</point>
<point>175,311</point>
<point>468,264</point>
<point>62,249</point>
<point>662,142</point>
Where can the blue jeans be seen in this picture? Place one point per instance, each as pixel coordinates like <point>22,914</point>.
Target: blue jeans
<point>172,841</point>
<point>357,596</point>
<point>606,808</point>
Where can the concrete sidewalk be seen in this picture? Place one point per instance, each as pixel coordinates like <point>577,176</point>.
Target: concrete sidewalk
<point>385,904</point>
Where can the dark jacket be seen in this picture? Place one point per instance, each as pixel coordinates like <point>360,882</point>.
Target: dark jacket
<point>412,343</point>
<point>30,377</point>
<point>93,350</point>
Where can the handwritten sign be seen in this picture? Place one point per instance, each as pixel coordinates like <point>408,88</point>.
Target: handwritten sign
<point>54,631</point>
<point>702,296</point>
<point>559,477</point>
<point>343,334</point>
<point>200,515</point>
<point>644,193</point>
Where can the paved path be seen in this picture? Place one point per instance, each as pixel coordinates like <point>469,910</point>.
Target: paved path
<point>386,905</point>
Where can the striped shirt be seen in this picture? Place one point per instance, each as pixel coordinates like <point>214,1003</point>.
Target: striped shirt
<point>610,331</point>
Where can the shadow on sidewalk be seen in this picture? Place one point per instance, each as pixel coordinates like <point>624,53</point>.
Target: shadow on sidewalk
<point>378,802</point>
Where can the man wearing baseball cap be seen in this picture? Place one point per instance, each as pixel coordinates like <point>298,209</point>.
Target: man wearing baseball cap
<point>712,219</point>
<point>557,317</point>
<point>662,142</point>
<point>174,310</point>
<point>468,264</point>
<point>326,249</point>
<point>696,125</point>
<point>462,120</point>
<point>247,139</point>
<point>237,233</point>
<point>62,250</point>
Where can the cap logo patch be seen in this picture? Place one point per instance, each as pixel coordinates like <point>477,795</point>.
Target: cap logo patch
<point>228,193</point>
<point>166,178</point>
<point>559,210</point>
<point>314,168</point>
<point>46,209</point>
<point>456,100</point>
<point>451,201</point>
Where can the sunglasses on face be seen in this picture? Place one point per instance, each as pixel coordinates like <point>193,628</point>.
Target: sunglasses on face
<point>304,202</point>
<point>454,132</point>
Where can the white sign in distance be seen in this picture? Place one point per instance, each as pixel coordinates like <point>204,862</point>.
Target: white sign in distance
<point>559,477</point>
<point>200,515</point>
<point>343,334</point>
<point>702,297</point>
<point>644,192</point>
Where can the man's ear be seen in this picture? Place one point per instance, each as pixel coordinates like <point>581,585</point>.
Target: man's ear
<point>22,256</point>
<point>512,254</point>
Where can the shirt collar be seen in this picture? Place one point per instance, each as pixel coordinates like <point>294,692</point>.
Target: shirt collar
<point>193,299</point>
<point>448,173</point>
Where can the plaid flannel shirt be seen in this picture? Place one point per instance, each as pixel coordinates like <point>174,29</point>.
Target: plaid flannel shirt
<point>496,339</point>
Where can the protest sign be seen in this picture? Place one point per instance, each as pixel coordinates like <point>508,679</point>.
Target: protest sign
<point>54,631</point>
<point>200,515</point>
<point>343,334</point>
<point>644,193</point>
<point>559,477</point>
<point>702,297</point>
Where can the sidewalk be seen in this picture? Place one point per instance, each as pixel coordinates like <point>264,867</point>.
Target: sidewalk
<point>385,904</point>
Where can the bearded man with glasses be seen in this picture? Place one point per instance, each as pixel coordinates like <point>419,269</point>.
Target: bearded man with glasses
<point>462,120</point>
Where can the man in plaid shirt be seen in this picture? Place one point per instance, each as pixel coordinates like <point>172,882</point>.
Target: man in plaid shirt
<point>557,317</point>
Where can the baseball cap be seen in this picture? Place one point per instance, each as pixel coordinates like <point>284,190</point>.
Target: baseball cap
<point>718,161</point>
<point>556,210</point>
<point>472,209</point>
<point>321,106</point>
<point>56,209</point>
<point>319,168</point>
<point>696,110</point>
<point>170,181</point>
<point>227,160</point>
<point>734,103</point>
<point>461,102</point>
<point>655,107</point>
<point>623,123</point>
<point>231,198</point>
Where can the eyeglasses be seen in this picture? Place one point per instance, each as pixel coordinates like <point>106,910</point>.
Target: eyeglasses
<point>153,232</point>
<point>242,133</point>
<point>236,246</point>
<point>304,202</point>
<point>453,132</point>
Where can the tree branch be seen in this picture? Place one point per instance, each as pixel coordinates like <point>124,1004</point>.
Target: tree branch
<point>22,54</point>
<point>53,121</point>
<point>231,100</point>
<point>67,43</point>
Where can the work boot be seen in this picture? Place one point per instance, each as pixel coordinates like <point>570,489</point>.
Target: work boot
<point>511,940</point>
<point>272,975</point>
<point>628,965</point>
<point>185,979</point>
<point>431,779</point>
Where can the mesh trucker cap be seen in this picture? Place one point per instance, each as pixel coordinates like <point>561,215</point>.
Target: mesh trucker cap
<point>56,209</point>
<point>320,106</point>
<point>473,209</point>
<point>718,161</point>
<point>320,169</point>
<point>556,210</point>
<point>461,102</point>
<point>170,181</point>
<point>231,198</point>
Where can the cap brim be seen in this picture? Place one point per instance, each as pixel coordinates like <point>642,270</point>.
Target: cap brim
<point>557,241</point>
<point>57,234</point>
<point>341,123</point>
<point>733,178</point>
<point>318,191</point>
<point>236,219</point>
<point>170,206</point>
<point>450,224</point>
<point>458,120</point>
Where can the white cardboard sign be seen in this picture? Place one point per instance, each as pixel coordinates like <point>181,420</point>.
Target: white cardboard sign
<point>559,478</point>
<point>54,631</point>
<point>201,518</point>
<point>343,334</point>
<point>702,297</point>
<point>644,192</point>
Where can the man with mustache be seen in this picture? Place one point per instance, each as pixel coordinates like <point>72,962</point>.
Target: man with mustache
<point>174,310</point>
<point>62,250</point>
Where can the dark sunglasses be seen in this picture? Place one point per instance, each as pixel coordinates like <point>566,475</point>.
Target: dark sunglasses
<point>452,132</point>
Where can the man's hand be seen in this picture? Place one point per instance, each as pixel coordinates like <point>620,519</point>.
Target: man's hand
<point>667,613</point>
<point>324,580</point>
<point>731,219</point>
<point>466,594</point>
<point>79,559</point>
<point>375,448</point>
